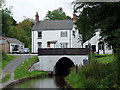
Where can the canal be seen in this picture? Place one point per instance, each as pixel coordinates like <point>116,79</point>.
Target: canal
<point>49,82</point>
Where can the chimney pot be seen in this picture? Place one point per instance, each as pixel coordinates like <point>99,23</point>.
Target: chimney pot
<point>74,17</point>
<point>36,17</point>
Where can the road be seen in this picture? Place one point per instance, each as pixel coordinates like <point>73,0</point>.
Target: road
<point>9,69</point>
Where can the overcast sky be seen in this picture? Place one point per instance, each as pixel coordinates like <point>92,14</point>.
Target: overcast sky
<point>28,8</point>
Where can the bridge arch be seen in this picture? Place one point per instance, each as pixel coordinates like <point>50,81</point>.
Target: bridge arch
<point>63,66</point>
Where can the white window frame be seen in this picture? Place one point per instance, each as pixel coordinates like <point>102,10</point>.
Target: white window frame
<point>64,34</point>
<point>40,36</point>
<point>64,45</point>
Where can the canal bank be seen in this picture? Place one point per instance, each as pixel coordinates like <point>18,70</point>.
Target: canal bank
<point>21,71</point>
<point>22,75</point>
<point>39,82</point>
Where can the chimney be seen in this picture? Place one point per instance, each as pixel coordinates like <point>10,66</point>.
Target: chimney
<point>74,17</point>
<point>36,17</point>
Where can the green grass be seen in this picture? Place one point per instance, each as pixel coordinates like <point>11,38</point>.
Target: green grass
<point>105,58</point>
<point>6,78</point>
<point>88,76</point>
<point>8,59</point>
<point>22,70</point>
<point>98,74</point>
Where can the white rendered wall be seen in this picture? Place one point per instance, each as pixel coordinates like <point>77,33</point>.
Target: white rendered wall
<point>54,35</point>
<point>95,40</point>
<point>34,42</point>
<point>47,63</point>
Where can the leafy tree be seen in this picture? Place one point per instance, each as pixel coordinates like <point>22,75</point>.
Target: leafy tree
<point>57,14</point>
<point>7,21</point>
<point>26,25</point>
<point>104,16</point>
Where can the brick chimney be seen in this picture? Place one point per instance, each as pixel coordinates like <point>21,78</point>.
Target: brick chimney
<point>74,17</point>
<point>36,17</point>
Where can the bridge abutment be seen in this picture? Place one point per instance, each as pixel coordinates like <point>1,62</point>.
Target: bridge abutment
<point>48,61</point>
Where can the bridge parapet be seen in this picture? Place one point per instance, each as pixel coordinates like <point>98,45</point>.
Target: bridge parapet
<point>63,51</point>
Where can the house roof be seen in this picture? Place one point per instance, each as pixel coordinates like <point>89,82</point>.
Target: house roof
<point>3,41</point>
<point>14,40</point>
<point>53,25</point>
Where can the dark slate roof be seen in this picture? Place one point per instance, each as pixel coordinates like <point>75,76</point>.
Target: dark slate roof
<point>63,51</point>
<point>53,25</point>
<point>14,40</point>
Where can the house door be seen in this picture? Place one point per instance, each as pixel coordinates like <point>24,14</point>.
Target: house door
<point>101,48</point>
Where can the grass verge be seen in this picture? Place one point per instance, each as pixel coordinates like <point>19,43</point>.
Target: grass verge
<point>8,60</point>
<point>105,58</point>
<point>22,70</point>
<point>6,78</point>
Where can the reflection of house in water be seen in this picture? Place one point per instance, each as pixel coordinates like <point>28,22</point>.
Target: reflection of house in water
<point>97,45</point>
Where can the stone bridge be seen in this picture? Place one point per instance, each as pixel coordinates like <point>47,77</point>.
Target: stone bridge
<point>60,60</point>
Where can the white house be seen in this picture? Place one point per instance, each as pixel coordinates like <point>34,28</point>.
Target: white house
<point>55,34</point>
<point>97,45</point>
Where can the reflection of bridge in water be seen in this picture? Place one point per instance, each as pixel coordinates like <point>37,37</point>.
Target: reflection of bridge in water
<point>60,60</point>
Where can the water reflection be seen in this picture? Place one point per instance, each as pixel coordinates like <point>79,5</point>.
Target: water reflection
<point>51,82</point>
<point>59,81</point>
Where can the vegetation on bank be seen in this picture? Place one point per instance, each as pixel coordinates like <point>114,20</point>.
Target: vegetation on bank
<point>6,59</point>
<point>22,70</point>
<point>6,78</point>
<point>105,58</point>
<point>98,74</point>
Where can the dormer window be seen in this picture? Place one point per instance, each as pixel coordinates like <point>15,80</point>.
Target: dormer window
<point>39,34</point>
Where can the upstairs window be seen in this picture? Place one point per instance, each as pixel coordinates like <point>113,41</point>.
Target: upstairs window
<point>64,34</point>
<point>39,34</point>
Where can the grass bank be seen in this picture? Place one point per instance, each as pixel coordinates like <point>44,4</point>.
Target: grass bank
<point>108,58</point>
<point>6,78</point>
<point>8,59</point>
<point>22,70</point>
<point>99,74</point>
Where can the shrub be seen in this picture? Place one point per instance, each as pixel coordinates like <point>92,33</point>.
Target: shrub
<point>88,76</point>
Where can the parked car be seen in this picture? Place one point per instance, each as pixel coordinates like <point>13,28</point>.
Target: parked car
<point>26,50</point>
<point>17,49</point>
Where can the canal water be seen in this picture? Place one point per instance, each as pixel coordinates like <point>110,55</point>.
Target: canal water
<point>50,82</point>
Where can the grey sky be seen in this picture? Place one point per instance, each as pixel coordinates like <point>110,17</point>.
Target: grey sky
<point>28,8</point>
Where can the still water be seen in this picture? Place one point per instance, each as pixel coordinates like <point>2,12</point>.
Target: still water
<point>50,82</point>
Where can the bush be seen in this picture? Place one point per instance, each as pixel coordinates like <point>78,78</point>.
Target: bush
<point>88,76</point>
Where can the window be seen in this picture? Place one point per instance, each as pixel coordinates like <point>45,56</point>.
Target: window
<point>48,44</point>
<point>39,44</point>
<point>85,61</point>
<point>93,48</point>
<point>64,45</point>
<point>39,34</point>
<point>101,46</point>
<point>64,34</point>
<point>86,46</point>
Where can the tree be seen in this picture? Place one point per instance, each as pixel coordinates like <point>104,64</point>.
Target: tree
<point>104,16</point>
<point>7,21</point>
<point>26,25</point>
<point>57,14</point>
